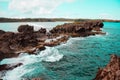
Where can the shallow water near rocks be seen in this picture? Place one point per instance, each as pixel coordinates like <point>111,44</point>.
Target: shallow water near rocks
<point>78,59</point>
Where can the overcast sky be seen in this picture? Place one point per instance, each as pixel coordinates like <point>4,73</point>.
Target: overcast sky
<point>95,9</point>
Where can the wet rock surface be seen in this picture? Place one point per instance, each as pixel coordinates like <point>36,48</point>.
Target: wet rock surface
<point>27,40</point>
<point>79,28</point>
<point>111,71</point>
<point>9,66</point>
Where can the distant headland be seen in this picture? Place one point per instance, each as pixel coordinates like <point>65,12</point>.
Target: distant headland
<point>50,20</point>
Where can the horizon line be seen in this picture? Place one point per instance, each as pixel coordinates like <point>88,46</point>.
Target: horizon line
<point>57,18</point>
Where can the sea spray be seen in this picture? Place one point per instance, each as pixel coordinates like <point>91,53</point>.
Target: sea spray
<point>50,54</point>
<point>54,39</point>
<point>71,41</point>
<point>84,66</point>
<point>16,73</point>
<point>37,27</point>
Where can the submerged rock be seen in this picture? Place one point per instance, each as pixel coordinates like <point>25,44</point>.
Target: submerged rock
<point>111,71</point>
<point>9,66</point>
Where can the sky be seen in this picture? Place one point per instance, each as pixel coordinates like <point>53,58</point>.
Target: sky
<point>90,9</point>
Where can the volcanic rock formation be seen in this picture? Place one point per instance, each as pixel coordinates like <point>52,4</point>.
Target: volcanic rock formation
<point>27,40</point>
<point>111,71</point>
<point>79,28</point>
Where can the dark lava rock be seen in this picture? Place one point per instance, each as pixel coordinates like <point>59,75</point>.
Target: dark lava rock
<point>78,27</point>
<point>7,36</point>
<point>42,30</point>
<point>1,32</point>
<point>9,66</point>
<point>27,40</point>
<point>1,55</point>
<point>111,71</point>
<point>5,41</point>
<point>25,28</point>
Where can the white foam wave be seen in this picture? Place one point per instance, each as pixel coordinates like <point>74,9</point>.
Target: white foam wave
<point>16,73</point>
<point>107,33</point>
<point>97,35</point>
<point>51,54</point>
<point>37,27</point>
<point>54,39</point>
<point>71,41</point>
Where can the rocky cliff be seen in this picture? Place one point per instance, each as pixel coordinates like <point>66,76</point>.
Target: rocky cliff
<point>111,71</point>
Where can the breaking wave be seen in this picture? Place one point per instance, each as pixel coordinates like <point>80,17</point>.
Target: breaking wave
<point>50,54</point>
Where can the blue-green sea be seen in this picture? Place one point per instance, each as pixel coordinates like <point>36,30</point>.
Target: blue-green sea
<point>78,59</point>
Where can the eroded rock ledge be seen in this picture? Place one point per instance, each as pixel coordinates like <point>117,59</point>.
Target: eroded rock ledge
<point>111,71</point>
<point>26,40</point>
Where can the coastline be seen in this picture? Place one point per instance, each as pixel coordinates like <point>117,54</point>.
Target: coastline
<point>55,38</point>
<point>4,20</point>
<point>111,71</point>
<point>29,41</point>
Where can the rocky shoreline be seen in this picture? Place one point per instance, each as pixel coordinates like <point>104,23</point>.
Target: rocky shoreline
<point>27,40</point>
<point>111,71</point>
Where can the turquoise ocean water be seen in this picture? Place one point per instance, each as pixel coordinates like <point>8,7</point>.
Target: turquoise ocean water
<point>78,59</point>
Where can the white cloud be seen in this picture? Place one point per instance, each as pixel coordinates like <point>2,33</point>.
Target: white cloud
<point>36,6</point>
<point>105,16</point>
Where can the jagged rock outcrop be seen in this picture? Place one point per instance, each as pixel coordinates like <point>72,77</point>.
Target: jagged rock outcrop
<point>79,29</point>
<point>1,32</point>
<point>42,30</point>
<point>26,40</point>
<point>25,28</point>
<point>111,71</point>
